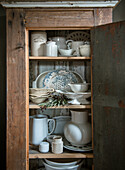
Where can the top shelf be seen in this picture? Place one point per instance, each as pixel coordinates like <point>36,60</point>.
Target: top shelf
<point>58,58</point>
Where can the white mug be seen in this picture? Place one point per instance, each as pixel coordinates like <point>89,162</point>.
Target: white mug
<point>38,128</point>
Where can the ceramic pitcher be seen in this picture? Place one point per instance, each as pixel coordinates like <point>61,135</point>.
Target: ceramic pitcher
<point>78,130</point>
<point>60,41</point>
<point>38,128</point>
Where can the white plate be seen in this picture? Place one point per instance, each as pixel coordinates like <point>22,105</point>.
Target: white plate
<point>62,162</point>
<point>38,82</point>
<point>50,167</point>
<point>85,148</point>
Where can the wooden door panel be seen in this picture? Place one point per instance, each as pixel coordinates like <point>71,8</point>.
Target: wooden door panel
<point>16,91</point>
<point>108,78</point>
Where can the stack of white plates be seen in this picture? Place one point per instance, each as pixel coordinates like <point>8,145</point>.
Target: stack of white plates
<point>61,164</point>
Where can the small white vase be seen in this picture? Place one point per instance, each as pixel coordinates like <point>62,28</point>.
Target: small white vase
<point>78,131</point>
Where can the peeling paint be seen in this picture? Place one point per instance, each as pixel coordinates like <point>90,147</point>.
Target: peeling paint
<point>121,104</point>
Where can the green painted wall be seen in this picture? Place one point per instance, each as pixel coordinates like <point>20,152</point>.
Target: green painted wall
<point>2,88</point>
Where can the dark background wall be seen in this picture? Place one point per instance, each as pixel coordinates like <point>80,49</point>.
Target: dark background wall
<point>118,15</point>
<point>119,12</point>
<point>2,87</point>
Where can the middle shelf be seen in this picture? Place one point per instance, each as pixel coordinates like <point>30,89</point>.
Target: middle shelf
<point>35,106</point>
<point>58,58</point>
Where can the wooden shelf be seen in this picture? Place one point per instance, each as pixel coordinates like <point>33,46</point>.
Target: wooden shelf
<point>35,106</point>
<point>33,154</point>
<point>58,58</point>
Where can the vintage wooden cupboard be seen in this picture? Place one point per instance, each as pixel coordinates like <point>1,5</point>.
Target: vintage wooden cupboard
<point>107,87</point>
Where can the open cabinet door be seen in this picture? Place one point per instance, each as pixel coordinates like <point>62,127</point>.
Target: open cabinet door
<point>108,82</point>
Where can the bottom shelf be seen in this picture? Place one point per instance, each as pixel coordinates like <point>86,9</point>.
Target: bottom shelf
<point>34,154</point>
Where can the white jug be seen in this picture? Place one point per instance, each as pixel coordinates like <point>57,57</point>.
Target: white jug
<point>38,128</point>
<point>78,131</point>
<point>60,41</point>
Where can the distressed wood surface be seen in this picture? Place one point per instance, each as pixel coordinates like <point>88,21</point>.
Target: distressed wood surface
<point>33,155</point>
<point>58,18</point>
<point>3,87</point>
<point>16,91</point>
<point>108,72</point>
<point>43,0</point>
<point>102,16</point>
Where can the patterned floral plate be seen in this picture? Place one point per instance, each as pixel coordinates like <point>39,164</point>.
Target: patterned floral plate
<point>59,79</point>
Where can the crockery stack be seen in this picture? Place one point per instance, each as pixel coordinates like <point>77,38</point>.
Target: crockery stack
<point>39,95</point>
<point>62,164</point>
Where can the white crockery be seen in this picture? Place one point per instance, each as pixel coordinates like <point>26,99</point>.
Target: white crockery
<point>38,128</point>
<point>62,162</point>
<point>38,38</point>
<point>50,49</point>
<point>44,147</point>
<point>78,130</point>
<point>60,122</point>
<point>85,50</point>
<point>60,41</point>
<point>50,167</point>
<point>38,99</point>
<point>66,52</point>
<point>57,145</point>
<point>75,45</point>
<point>40,91</point>
<point>79,87</point>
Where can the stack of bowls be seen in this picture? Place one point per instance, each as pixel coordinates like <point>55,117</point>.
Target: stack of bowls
<point>61,164</point>
<point>39,95</point>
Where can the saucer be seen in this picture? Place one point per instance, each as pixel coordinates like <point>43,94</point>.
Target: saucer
<point>84,148</point>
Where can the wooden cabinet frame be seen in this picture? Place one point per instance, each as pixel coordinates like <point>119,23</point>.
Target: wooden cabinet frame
<point>19,21</point>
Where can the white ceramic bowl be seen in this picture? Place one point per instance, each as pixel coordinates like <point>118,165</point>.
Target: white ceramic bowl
<point>40,91</point>
<point>62,162</point>
<point>38,100</point>
<point>50,167</point>
<point>80,87</point>
<point>66,52</point>
<point>85,50</point>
